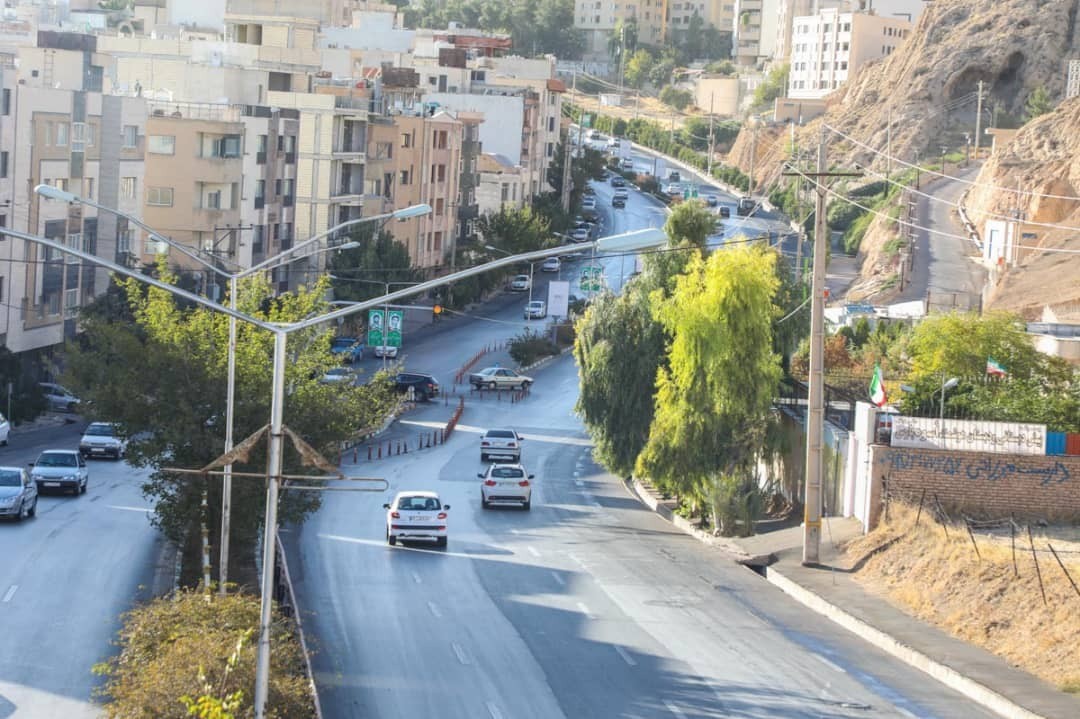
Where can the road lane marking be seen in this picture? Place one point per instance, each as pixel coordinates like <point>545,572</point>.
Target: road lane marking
<point>10,592</point>
<point>416,578</point>
<point>674,709</point>
<point>493,710</point>
<point>626,657</point>
<point>145,510</point>
<point>830,664</point>
<point>532,551</point>
<point>584,610</point>
<point>434,609</point>
<point>460,653</point>
<point>559,580</point>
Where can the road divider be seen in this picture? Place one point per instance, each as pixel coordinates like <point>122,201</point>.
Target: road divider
<point>459,376</point>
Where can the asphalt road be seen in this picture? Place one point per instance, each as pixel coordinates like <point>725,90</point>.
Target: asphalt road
<point>587,606</point>
<point>66,575</point>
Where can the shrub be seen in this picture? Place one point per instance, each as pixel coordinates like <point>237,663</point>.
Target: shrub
<point>176,648</point>
<point>530,346</point>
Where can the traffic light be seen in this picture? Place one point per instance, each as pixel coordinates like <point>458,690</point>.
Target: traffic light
<point>435,312</point>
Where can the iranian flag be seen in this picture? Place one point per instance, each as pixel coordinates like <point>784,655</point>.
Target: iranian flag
<point>995,368</point>
<point>877,388</point>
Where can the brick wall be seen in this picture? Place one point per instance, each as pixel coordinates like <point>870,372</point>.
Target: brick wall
<point>981,484</point>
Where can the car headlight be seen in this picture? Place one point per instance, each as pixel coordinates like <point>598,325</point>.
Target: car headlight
<point>70,477</point>
<point>7,501</point>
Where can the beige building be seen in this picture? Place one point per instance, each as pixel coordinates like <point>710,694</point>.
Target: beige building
<point>598,20</point>
<point>718,13</point>
<point>501,185</point>
<point>718,94</point>
<point>827,48</point>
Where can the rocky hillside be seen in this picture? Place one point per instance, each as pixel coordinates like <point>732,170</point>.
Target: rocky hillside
<point>927,87</point>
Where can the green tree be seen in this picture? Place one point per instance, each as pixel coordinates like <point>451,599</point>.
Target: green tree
<point>675,97</point>
<point>722,67</point>
<point>774,86</point>
<point>693,38</point>
<point>638,67</point>
<point>714,397</point>
<point>355,274</point>
<point>623,38</point>
<point>691,222</point>
<point>516,230</point>
<point>660,73</point>
<point>177,419</point>
<point>1038,103</point>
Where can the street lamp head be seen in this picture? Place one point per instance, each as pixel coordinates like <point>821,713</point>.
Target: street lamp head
<point>496,249</point>
<point>55,193</point>
<point>346,246</point>
<point>952,382</point>
<point>411,211</point>
<point>631,241</point>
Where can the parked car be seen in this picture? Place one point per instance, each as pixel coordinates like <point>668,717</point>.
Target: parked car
<point>424,385</point>
<point>385,351</point>
<point>347,349</point>
<point>500,443</point>
<point>63,469</point>
<point>18,494</point>
<point>101,440</point>
<point>535,310</point>
<point>725,212</point>
<point>5,430</point>
<point>617,181</point>
<point>588,205</point>
<point>59,399</point>
<point>580,234</point>
<point>673,189</point>
<point>506,483</point>
<point>551,264</point>
<point>499,378</point>
<point>520,283</point>
<point>338,375</point>
<point>415,515</point>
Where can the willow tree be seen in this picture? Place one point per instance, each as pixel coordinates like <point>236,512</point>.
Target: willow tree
<point>715,392</point>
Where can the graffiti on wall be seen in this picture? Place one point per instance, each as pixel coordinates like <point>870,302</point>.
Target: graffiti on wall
<point>968,436</point>
<point>979,468</point>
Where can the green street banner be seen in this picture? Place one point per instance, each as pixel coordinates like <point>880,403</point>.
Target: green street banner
<point>395,319</point>
<point>375,328</point>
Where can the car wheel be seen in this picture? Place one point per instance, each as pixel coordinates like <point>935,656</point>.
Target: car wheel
<point>483,457</point>
<point>21,514</point>
<point>71,407</point>
<point>492,385</point>
<point>527,504</point>
<point>526,385</point>
<point>33,509</point>
<point>4,443</point>
<point>82,487</point>
<point>440,542</point>
<point>484,504</point>
<point>390,539</point>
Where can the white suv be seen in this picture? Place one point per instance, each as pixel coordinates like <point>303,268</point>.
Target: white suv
<point>416,516</point>
<point>506,483</point>
<point>500,443</point>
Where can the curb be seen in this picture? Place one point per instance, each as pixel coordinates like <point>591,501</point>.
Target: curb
<point>546,360</point>
<point>979,693</point>
<point>47,421</point>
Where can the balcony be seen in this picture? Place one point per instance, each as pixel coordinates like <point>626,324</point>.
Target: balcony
<point>346,195</point>
<point>260,158</point>
<point>354,155</point>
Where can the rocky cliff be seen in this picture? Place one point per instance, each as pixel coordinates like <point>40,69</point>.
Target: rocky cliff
<point>927,89</point>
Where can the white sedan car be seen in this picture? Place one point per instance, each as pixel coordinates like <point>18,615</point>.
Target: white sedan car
<point>520,283</point>
<point>5,430</point>
<point>416,515</point>
<point>386,351</point>
<point>551,264</point>
<point>506,483</point>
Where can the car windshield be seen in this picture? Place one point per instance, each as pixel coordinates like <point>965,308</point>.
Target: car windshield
<point>57,459</point>
<point>100,430</point>
<point>500,433</point>
<point>343,344</point>
<point>507,473</point>
<point>422,504</point>
<point>9,478</point>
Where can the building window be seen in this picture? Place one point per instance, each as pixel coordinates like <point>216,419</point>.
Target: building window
<point>228,146</point>
<point>3,164</point>
<point>213,200</point>
<point>285,232</point>
<point>131,136</point>
<point>6,106</point>
<point>406,139</point>
<point>440,206</point>
<point>258,237</point>
<point>551,149</point>
<point>90,188</point>
<point>159,196</point>
<point>438,139</point>
<point>263,140</point>
<point>505,192</point>
<point>438,241</point>
<point>161,144</point>
<point>123,241</point>
<point>404,178</point>
<point>438,173</point>
<point>127,188</point>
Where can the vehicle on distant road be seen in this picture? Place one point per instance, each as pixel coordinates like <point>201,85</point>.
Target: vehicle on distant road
<point>5,430</point>
<point>618,201</point>
<point>535,310</point>
<point>506,483</point>
<point>674,176</point>
<point>18,494</point>
<point>389,351</point>
<point>423,385</point>
<point>580,234</point>
<point>338,375</point>
<point>520,283</point>
<point>62,469</point>
<point>725,212</point>
<point>627,163</point>
<point>59,399</point>
<point>551,264</point>
<point>617,181</point>
<point>500,443</point>
<point>415,515</point>
<point>746,205</point>
<point>101,440</point>
<point>499,378</point>
<point>347,349</point>
<point>595,135</point>
<point>711,200</point>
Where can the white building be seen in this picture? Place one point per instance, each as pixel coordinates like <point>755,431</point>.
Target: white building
<point>827,48</point>
<point>754,31</point>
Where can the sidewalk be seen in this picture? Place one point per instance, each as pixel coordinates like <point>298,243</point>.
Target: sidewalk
<point>830,589</point>
<point>45,421</point>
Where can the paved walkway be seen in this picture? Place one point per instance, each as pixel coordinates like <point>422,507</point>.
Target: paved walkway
<point>831,589</point>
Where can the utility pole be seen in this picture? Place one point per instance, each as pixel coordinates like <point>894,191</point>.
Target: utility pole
<point>888,147</point>
<point>801,237</point>
<point>712,119</point>
<point>568,153</point>
<point>815,419</point>
<point>753,154</point>
<point>978,118</point>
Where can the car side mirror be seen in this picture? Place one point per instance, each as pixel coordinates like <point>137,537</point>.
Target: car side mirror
<point>479,475</point>
<point>532,476</point>
<point>446,506</point>
<point>386,506</point>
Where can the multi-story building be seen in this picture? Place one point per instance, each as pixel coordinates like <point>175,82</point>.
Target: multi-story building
<point>827,48</point>
<point>500,185</point>
<point>599,19</point>
<point>790,9</point>
<point>718,13</point>
<point>754,29</point>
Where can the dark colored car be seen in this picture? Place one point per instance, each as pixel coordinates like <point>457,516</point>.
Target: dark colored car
<point>725,211</point>
<point>617,181</point>
<point>424,385</point>
<point>348,349</point>
<point>618,201</point>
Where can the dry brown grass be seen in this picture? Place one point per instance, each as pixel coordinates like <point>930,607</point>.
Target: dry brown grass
<point>942,581</point>
<point>647,107</point>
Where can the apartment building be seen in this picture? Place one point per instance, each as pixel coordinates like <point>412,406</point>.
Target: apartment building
<point>829,47</point>
<point>598,20</point>
<point>909,10</point>
<point>268,187</point>
<point>500,185</point>
<point>718,13</point>
<point>754,30</point>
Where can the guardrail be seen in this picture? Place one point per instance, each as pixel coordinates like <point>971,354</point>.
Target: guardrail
<point>287,605</point>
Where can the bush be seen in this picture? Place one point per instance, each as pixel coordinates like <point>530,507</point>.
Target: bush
<point>673,96</point>
<point>530,346</point>
<point>175,648</point>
